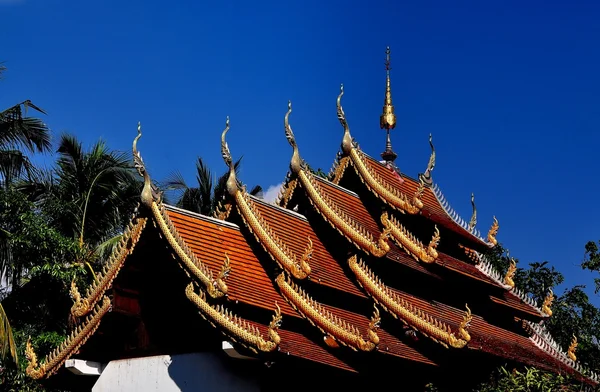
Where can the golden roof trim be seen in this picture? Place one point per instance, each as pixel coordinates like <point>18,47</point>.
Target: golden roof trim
<point>374,182</point>
<point>50,364</point>
<point>572,348</point>
<point>82,306</point>
<point>277,249</point>
<point>427,177</point>
<point>339,168</point>
<point>152,200</point>
<point>547,305</point>
<point>493,232</point>
<point>286,192</point>
<point>473,221</point>
<point>329,324</point>
<point>471,254</point>
<point>409,314</point>
<point>332,213</point>
<point>510,274</point>
<point>238,329</point>
<point>407,241</point>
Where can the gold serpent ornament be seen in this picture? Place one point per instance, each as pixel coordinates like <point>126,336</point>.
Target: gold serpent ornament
<point>331,325</point>
<point>68,347</point>
<point>389,194</point>
<point>238,329</point>
<point>491,237</point>
<point>407,241</point>
<point>82,306</point>
<point>151,199</point>
<point>277,249</point>
<point>332,213</point>
<point>409,314</point>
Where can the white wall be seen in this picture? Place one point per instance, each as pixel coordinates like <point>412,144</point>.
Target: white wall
<point>166,373</point>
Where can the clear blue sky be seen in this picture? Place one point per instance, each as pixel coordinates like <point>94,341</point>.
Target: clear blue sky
<point>509,89</point>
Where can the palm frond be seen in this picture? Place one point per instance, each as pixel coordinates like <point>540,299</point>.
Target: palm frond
<point>7,340</point>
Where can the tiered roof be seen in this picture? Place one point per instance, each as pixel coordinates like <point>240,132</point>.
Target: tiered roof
<point>386,278</point>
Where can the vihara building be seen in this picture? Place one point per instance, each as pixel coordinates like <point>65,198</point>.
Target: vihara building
<point>365,278</point>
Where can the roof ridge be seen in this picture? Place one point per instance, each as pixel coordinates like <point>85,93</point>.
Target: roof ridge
<point>201,216</point>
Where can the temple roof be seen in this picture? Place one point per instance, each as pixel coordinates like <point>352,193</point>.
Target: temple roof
<point>280,283</point>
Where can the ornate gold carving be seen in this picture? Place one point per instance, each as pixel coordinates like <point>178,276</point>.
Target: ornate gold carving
<point>276,248</point>
<point>407,241</point>
<point>335,215</point>
<point>473,220</point>
<point>82,306</point>
<point>235,327</point>
<point>328,323</point>
<point>223,210</point>
<point>546,306</point>
<point>188,259</point>
<point>386,192</point>
<point>426,177</point>
<point>471,254</point>
<point>572,348</point>
<point>339,170</point>
<point>406,312</point>
<point>387,120</point>
<point>287,192</point>
<point>70,346</point>
<point>150,192</point>
<point>491,237</point>
<point>510,274</point>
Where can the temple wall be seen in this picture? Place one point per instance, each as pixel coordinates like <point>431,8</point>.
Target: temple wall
<point>167,373</point>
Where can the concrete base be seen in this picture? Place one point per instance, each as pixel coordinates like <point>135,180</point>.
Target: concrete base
<point>166,373</point>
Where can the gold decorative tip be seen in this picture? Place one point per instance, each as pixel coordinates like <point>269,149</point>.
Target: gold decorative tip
<point>491,237</point>
<point>388,118</point>
<point>510,274</point>
<point>232,184</point>
<point>347,143</point>
<point>473,220</point>
<point>296,163</point>
<point>546,306</point>
<point>572,348</point>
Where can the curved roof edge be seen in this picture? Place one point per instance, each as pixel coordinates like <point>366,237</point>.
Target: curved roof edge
<point>544,340</point>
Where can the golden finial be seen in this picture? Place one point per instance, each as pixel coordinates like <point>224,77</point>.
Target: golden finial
<point>388,118</point>
<point>572,348</point>
<point>473,220</point>
<point>426,177</point>
<point>546,306</point>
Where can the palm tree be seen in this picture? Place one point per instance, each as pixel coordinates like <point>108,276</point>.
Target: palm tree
<point>203,199</point>
<point>90,194</point>
<point>20,134</point>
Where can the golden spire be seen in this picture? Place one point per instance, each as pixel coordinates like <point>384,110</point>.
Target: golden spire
<point>387,120</point>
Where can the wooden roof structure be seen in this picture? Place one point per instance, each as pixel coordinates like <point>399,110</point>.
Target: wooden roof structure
<point>367,263</point>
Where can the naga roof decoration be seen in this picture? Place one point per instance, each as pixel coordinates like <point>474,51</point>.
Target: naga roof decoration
<point>409,242</point>
<point>82,306</point>
<point>473,220</point>
<point>510,274</point>
<point>51,363</point>
<point>238,329</point>
<point>572,348</point>
<point>493,232</point>
<point>544,340</point>
<point>276,248</point>
<point>151,199</point>
<point>426,177</point>
<point>333,213</point>
<point>547,305</point>
<point>453,214</point>
<point>389,194</point>
<point>488,269</point>
<point>334,327</point>
<point>406,312</point>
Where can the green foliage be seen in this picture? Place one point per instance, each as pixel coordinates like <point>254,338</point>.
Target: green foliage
<point>592,261</point>
<point>530,380</point>
<point>205,198</point>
